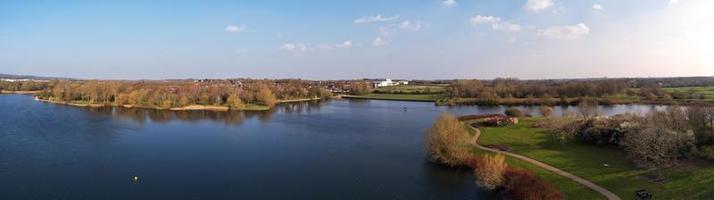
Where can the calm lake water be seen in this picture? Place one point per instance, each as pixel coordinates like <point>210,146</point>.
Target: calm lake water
<point>331,150</point>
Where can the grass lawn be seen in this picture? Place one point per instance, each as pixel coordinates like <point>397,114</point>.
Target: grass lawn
<point>569,188</point>
<point>405,97</point>
<point>708,92</point>
<point>413,89</point>
<point>689,181</point>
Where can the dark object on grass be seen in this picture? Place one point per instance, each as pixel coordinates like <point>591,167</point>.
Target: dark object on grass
<point>643,195</point>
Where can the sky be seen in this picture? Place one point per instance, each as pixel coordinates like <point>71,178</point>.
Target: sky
<point>350,39</point>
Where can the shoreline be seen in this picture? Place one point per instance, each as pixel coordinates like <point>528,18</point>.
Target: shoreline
<point>384,98</point>
<point>20,91</point>
<point>185,108</point>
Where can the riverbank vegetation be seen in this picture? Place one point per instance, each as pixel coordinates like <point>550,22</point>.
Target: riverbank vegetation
<point>660,152</point>
<point>447,143</point>
<point>23,86</point>
<point>245,94</point>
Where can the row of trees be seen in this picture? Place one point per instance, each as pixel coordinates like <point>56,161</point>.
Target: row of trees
<point>514,88</point>
<point>23,85</point>
<point>170,94</point>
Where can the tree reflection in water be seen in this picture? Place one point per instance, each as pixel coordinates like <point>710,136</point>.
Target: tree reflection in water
<point>141,116</point>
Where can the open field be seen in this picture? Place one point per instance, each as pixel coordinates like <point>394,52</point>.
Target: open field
<point>412,89</point>
<point>400,97</point>
<point>707,92</point>
<point>688,181</point>
<point>569,188</point>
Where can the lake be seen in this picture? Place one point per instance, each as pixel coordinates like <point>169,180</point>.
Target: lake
<point>340,149</point>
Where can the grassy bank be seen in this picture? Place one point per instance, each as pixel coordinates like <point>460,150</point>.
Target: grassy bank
<point>569,188</point>
<point>396,97</point>
<point>689,181</point>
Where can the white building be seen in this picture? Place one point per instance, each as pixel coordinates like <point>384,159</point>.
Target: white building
<point>388,82</point>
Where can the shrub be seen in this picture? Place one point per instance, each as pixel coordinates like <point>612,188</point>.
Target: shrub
<point>514,112</point>
<point>500,121</point>
<point>655,147</point>
<point>706,152</point>
<point>447,141</point>
<point>546,111</point>
<point>523,185</point>
<point>490,173</point>
<point>482,116</point>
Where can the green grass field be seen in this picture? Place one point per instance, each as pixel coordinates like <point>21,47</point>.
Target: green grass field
<point>569,188</point>
<point>404,97</point>
<point>411,89</point>
<point>688,181</point>
<point>708,91</point>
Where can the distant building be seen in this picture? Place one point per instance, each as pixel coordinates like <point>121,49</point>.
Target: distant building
<point>387,82</point>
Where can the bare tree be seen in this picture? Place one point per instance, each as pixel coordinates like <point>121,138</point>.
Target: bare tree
<point>447,141</point>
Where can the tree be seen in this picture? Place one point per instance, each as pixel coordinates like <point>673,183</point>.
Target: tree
<point>657,143</point>
<point>234,102</point>
<point>514,112</point>
<point>447,141</point>
<point>264,96</point>
<point>360,88</point>
<point>489,173</point>
<point>588,107</point>
<point>546,111</point>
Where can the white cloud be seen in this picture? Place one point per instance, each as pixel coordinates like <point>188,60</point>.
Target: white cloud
<point>236,29</point>
<point>345,44</point>
<point>377,18</point>
<point>448,3</point>
<point>496,23</point>
<point>381,41</point>
<point>478,19</point>
<point>538,5</point>
<point>293,48</point>
<point>565,32</point>
<point>597,7</point>
<point>409,25</point>
<point>673,2</point>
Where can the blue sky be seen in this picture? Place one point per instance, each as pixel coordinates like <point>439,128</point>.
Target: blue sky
<point>425,39</point>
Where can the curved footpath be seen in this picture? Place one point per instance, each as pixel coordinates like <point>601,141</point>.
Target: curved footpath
<point>586,183</point>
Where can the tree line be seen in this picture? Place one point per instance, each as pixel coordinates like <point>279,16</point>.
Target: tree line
<point>172,94</point>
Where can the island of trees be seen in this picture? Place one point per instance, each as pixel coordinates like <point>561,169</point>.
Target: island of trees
<point>243,94</point>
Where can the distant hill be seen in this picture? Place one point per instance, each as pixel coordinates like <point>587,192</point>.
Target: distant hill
<point>12,76</point>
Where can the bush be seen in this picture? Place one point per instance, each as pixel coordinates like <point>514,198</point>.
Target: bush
<point>523,185</point>
<point>447,141</point>
<point>489,174</point>
<point>546,111</point>
<point>483,116</point>
<point>514,112</point>
<point>706,152</point>
<point>500,121</point>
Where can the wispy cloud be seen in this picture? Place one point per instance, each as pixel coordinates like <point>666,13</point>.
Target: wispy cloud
<point>597,7</point>
<point>565,32</point>
<point>381,41</point>
<point>345,44</point>
<point>496,23</point>
<point>376,18</point>
<point>409,25</point>
<point>236,28</point>
<point>293,48</point>
<point>538,5</point>
<point>448,3</point>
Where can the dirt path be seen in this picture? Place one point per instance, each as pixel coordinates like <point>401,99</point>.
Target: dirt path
<point>586,183</point>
